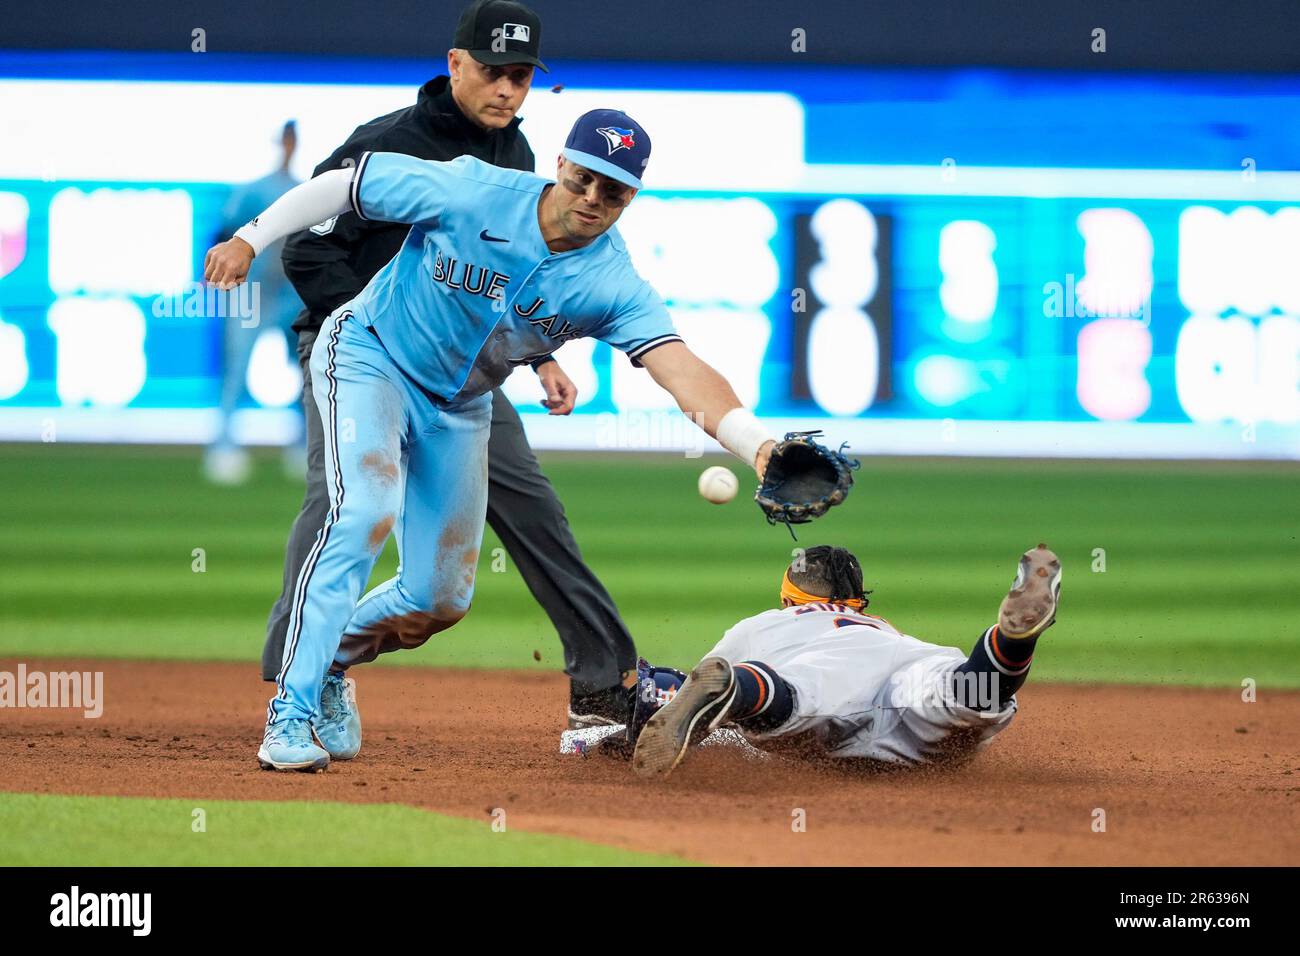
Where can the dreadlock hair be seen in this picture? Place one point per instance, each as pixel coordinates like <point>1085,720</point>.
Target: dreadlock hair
<point>829,572</point>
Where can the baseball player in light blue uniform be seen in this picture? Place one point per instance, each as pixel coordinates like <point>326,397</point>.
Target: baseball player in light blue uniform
<point>500,268</point>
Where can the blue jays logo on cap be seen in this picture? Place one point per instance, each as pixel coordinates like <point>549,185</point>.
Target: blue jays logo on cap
<point>617,138</point>
<point>611,143</point>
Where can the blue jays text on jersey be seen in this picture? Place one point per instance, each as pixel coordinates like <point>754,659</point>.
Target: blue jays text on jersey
<point>477,283</point>
<point>474,291</point>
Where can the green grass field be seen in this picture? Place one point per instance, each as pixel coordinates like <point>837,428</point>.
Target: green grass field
<point>44,830</point>
<point>1201,580</point>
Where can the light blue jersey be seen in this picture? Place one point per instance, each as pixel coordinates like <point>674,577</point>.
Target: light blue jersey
<point>474,291</point>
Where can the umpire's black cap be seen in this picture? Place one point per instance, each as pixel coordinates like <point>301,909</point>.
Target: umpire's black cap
<point>500,32</point>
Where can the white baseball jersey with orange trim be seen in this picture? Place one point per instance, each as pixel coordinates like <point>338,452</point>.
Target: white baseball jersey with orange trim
<point>861,687</point>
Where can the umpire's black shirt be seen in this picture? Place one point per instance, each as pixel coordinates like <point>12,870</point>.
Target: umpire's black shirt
<point>330,266</point>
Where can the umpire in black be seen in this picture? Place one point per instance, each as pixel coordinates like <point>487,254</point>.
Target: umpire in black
<point>471,112</point>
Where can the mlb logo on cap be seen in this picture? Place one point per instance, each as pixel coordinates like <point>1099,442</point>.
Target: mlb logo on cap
<point>611,143</point>
<point>500,33</point>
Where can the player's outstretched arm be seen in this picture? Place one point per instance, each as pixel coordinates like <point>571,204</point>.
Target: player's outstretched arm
<point>710,401</point>
<point>226,264</point>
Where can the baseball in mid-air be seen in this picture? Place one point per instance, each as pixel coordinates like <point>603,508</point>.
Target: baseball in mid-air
<point>718,484</point>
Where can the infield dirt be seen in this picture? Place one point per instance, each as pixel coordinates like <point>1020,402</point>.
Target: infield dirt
<point>1184,776</point>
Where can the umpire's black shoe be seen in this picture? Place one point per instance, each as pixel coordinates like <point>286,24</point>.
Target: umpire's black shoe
<point>604,708</point>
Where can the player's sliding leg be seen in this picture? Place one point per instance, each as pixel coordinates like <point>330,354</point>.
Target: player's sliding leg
<point>362,400</point>
<point>1002,657</point>
<point>750,694</point>
<point>762,701</point>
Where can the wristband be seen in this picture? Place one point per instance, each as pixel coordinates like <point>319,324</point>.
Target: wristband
<point>742,434</point>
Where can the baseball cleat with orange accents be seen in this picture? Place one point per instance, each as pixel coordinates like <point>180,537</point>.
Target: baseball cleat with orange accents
<point>699,706</point>
<point>1030,606</point>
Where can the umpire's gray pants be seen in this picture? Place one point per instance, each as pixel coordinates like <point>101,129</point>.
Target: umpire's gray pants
<point>527,516</point>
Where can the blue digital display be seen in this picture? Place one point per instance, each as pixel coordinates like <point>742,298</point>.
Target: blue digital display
<point>841,274</point>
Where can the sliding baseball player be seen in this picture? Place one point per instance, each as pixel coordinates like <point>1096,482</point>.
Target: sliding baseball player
<point>821,677</point>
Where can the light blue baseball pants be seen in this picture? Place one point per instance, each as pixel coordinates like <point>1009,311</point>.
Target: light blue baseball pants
<point>396,460</point>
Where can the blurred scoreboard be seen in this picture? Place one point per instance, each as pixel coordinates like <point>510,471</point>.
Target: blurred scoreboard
<point>938,309</point>
<point>996,309</point>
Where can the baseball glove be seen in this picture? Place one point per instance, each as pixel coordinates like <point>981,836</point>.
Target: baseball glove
<point>804,480</point>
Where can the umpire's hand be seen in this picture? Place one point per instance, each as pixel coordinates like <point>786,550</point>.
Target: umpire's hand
<point>226,264</point>
<point>561,393</point>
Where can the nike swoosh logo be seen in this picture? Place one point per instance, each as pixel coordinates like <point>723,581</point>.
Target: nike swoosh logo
<point>484,235</point>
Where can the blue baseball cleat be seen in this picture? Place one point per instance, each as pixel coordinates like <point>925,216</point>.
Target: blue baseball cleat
<point>287,745</point>
<point>338,725</point>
